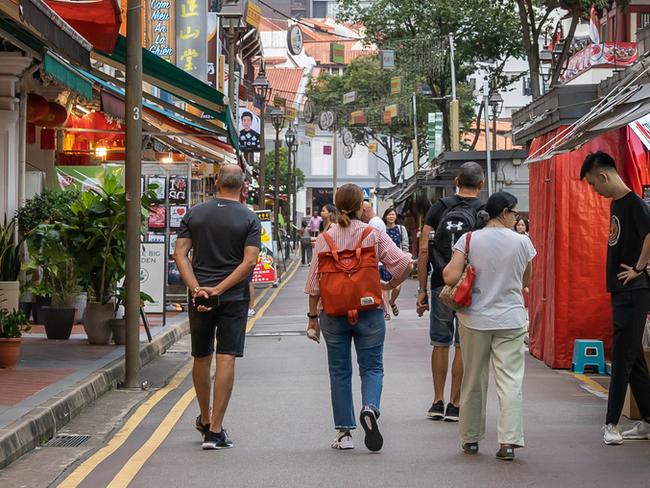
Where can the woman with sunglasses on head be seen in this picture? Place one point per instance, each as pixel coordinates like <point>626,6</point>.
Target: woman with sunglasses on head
<point>493,327</point>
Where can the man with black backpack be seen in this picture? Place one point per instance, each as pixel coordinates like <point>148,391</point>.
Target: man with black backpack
<point>447,220</point>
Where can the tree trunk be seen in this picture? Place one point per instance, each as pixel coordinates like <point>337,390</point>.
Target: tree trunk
<point>532,49</point>
<point>478,126</point>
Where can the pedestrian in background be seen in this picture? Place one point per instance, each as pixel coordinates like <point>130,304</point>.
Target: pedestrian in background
<point>448,218</point>
<point>367,334</point>
<point>400,237</point>
<point>328,214</point>
<point>369,216</point>
<point>314,223</point>
<point>628,281</point>
<point>225,238</point>
<point>521,226</point>
<point>305,244</point>
<point>493,327</point>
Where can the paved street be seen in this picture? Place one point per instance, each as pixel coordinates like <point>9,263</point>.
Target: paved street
<point>280,421</point>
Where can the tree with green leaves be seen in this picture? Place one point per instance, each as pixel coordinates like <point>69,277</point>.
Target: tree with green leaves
<point>484,31</point>
<point>269,173</point>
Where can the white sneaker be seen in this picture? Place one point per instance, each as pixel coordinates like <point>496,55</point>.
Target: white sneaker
<point>251,312</point>
<point>640,431</point>
<point>611,435</point>
<point>343,440</point>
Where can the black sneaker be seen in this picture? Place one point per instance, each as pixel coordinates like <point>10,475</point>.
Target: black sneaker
<point>202,428</point>
<point>452,413</point>
<point>374,441</point>
<point>437,411</point>
<point>213,440</point>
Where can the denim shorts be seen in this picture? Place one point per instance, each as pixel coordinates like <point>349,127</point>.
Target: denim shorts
<point>443,326</point>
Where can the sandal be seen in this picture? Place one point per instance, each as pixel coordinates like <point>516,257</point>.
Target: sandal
<point>470,447</point>
<point>386,316</point>
<point>506,453</point>
<point>393,306</point>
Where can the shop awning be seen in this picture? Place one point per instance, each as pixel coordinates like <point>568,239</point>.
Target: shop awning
<point>68,76</point>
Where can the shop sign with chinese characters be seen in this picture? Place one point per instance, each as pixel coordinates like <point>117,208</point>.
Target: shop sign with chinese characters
<point>191,37</point>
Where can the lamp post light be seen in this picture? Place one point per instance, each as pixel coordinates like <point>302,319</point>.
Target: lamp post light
<point>545,62</point>
<point>277,119</point>
<point>230,18</point>
<point>262,89</point>
<point>290,139</point>
<point>294,186</point>
<point>488,155</point>
<point>496,102</point>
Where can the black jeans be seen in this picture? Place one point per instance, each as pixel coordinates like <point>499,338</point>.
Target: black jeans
<point>305,250</point>
<point>629,312</point>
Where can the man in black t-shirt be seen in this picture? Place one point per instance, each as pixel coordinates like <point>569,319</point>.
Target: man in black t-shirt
<point>628,281</point>
<point>443,330</point>
<point>224,237</point>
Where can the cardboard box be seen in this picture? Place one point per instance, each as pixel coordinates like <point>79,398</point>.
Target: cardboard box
<point>630,408</point>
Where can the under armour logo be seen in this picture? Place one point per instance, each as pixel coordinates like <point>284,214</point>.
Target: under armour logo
<point>455,226</point>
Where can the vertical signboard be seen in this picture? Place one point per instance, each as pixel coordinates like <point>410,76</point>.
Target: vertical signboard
<point>159,28</point>
<point>192,37</point>
<point>434,134</point>
<point>213,41</point>
<point>264,271</point>
<point>153,260</point>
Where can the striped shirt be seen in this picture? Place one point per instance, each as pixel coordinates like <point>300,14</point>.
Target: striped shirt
<point>393,259</point>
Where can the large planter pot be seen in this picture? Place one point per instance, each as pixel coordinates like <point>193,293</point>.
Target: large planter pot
<point>118,326</point>
<point>9,295</point>
<point>80,304</point>
<point>38,308</point>
<point>58,321</point>
<point>9,352</point>
<point>96,322</point>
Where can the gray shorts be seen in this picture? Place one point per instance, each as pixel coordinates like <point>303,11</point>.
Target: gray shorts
<point>443,325</point>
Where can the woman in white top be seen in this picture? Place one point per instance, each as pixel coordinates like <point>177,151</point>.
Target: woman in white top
<point>492,329</point>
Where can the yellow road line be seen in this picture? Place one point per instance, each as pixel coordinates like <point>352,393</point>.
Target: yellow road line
<point>260,312</point>
<point>133,466</point>
<point>85,468</point>
<point>258,298</point>
<point>594,385</point>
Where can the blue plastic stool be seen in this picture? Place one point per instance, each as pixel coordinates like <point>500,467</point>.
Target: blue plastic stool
<point>588,352</point>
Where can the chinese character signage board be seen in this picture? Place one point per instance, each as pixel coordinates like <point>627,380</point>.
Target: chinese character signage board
<point>192,37</point>
<point>159,27</point>
<point>264,271</point>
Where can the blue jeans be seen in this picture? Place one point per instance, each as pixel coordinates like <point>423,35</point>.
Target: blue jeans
<point>368,335</point>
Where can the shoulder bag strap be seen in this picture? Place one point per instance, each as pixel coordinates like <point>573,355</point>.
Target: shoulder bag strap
<point>469,238</point>
<point>366,232</point>
<point>332,245</point>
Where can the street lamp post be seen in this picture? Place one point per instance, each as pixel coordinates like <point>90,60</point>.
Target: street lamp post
<point>496,102</point>
<point>294,186</point>
<point>230,17</point>
<point>488,155</point>
<point>262,90</point>
<point>277,119</point>
<point>290,139</point>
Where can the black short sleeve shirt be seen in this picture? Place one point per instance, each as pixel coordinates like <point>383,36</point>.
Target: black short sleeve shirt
<point>220,230</point>
<point>628,227</point>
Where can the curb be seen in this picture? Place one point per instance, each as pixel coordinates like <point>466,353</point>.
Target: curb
<point>42,422</point>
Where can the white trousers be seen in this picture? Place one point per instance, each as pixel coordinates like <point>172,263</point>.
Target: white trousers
<point>505,350</point>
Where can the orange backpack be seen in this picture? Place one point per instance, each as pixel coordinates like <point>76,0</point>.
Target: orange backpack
<point>349,279</point>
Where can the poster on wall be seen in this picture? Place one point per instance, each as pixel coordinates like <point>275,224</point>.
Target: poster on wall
<point>176,214</point>
<point>156,217</point>
<point>159,190</point>
<point>172,243</point>
<point>265,269</point>
<point>177,189</point>
<point>155,237</point>
<point>152,275</point>
<point>249,131</point>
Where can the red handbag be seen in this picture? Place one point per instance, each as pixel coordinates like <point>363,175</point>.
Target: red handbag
<point>349,279</point>
<point>459,296</point>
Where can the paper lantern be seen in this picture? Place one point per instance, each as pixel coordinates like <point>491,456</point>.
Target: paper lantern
<point>56,115</point>
<point>37,107</point>
<point>48,139</point>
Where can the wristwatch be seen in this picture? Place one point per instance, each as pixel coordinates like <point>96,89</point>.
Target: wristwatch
<point>639,270</point>
<point>195,290</point>
<point>420,290</point>
<point>315,316</point>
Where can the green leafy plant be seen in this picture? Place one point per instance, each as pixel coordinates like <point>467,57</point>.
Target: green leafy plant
<point>12,324</point>
<point>9,251</point>
<point>121,297</point>
<point>52,251</point>
<point>46,207</point>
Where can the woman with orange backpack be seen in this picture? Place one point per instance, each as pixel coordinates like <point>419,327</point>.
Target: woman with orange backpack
<point>344,278</point>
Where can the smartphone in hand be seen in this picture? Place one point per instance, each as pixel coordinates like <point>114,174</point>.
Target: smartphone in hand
<point>210,302</point>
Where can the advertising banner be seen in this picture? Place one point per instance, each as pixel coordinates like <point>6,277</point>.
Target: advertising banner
<point>249,131</point>
<point>153,260</point>
<point>265,271</point>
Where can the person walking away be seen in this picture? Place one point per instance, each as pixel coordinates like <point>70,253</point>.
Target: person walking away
<point>628,281</point>
<point>367,333</point>
<point>305,244</point>
<point>449,218</point>
<point>328,214</point>
<point>400,237</point>
<point>493,327</point>
<point>314,224</point>
<point>224,237</point>
<point>369,216</point>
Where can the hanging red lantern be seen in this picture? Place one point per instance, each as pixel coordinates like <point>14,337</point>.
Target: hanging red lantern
<point>37,107</point>
<point>31,133</point>
<point>56,115</point>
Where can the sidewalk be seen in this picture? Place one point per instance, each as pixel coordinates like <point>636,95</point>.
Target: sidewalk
<point>55,380</point>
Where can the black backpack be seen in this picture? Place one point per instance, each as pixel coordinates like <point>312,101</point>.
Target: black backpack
<point>461,215</point>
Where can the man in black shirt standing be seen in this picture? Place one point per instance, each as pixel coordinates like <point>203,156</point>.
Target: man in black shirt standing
<point>628,282</point>
<point>443,329</point>
<point>224,237</point>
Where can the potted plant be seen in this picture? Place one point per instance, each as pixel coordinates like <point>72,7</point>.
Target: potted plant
<point>42,294</point>
<point>9,265</point>
<point>51,251</point>
<point>118,325</point>
<point>12,325</point>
